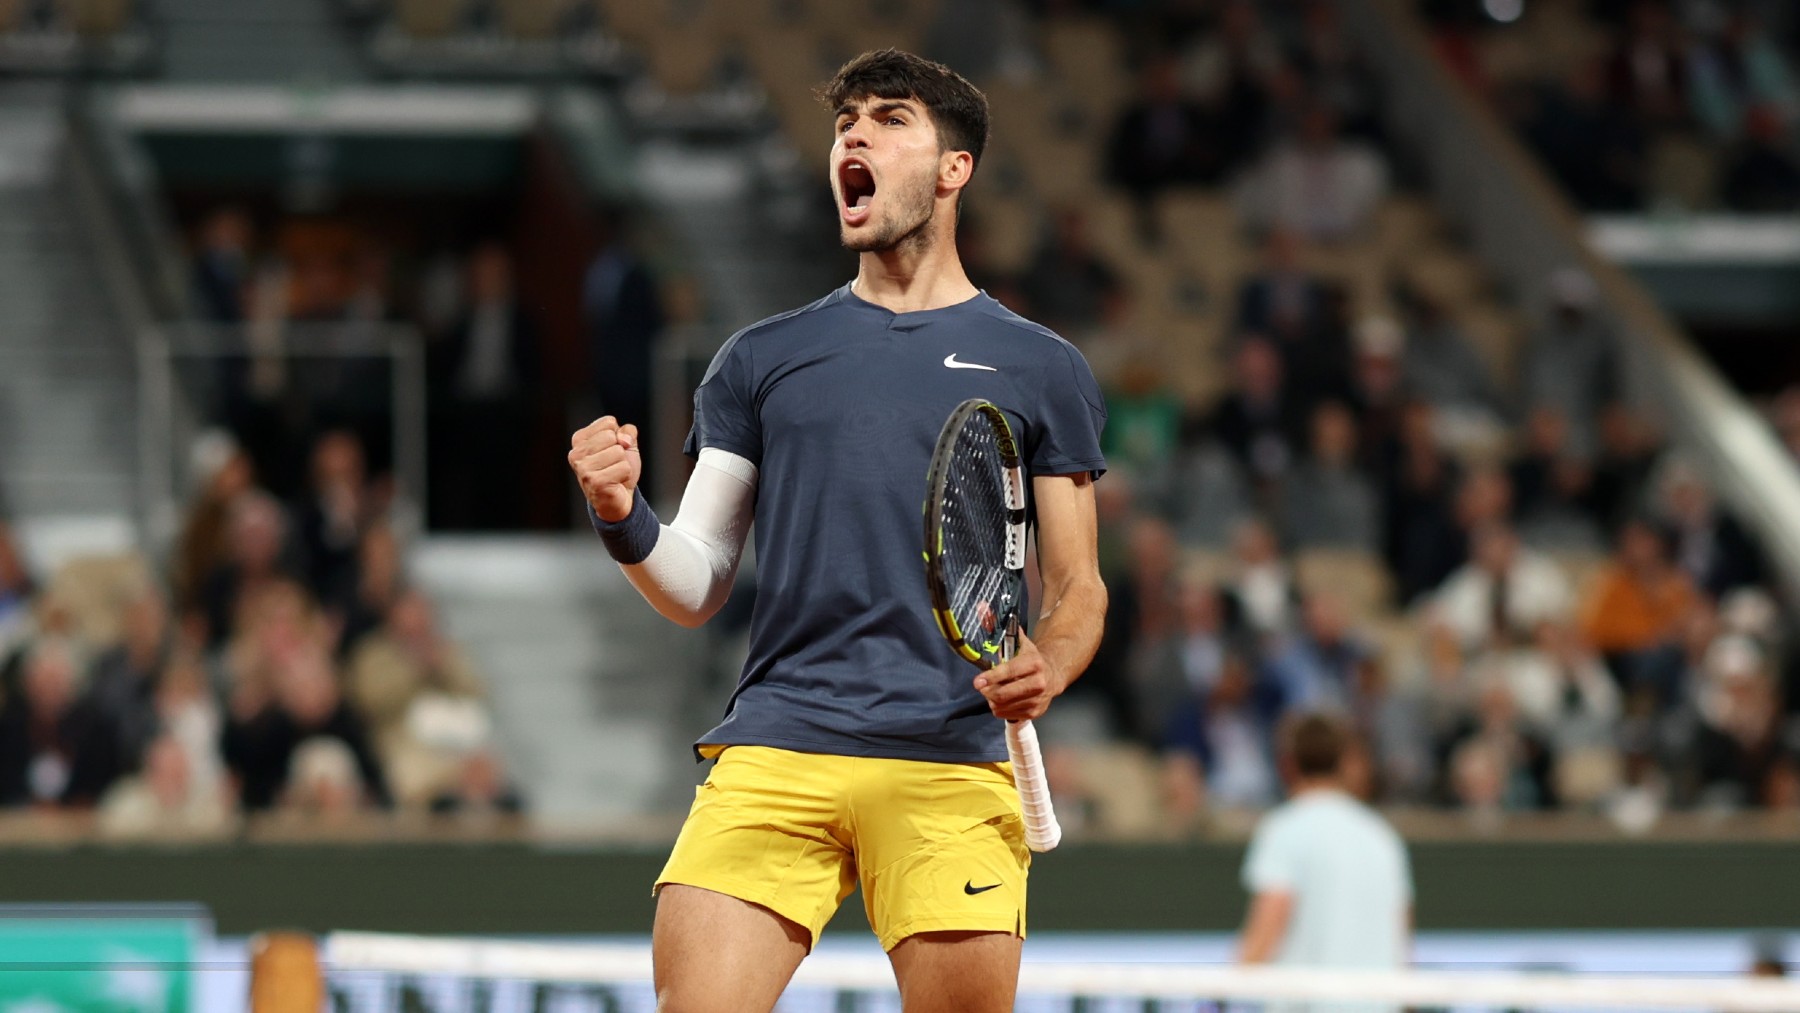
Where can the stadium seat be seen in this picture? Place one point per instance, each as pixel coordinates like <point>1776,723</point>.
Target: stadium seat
<point>94,590</point>
<point>97,18</point>
<point>428,19</point>
<point>1359,579</point>
<point>531,19</point>
<point>1684,170</point>
<point>1497,335</point>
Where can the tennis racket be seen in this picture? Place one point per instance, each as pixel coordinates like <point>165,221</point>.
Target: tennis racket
<point>975,565</point>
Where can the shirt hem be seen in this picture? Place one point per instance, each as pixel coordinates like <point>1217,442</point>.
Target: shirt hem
<point>854,749</point>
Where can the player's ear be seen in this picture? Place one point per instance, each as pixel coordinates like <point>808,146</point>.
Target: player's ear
<point>955,168</point>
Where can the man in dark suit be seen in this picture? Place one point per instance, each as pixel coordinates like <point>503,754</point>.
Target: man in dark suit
<point>482,374</point>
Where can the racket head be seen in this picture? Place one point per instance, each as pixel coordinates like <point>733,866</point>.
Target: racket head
<point>975,532</point>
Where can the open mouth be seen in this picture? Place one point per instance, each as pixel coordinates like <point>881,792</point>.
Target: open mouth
<point>856,188</point>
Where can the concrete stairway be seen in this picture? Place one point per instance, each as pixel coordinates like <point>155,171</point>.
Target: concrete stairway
<point>67,370</point>
<point>596,698</point>
<point>261,41</point>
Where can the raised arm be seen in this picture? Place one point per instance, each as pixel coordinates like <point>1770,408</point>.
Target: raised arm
<point>684,569</point>
<point>1074,603</point>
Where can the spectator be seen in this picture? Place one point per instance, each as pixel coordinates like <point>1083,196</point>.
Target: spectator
<point>222,473</point>
<point>1597,154</point>
<point>323,783</point>
<point>1742,68</point>
<point>1496,762</point>
<point>1231,72</point>
<point>380,578</point>
<point>1324,665</point>
<point>1498,599</point>
<point>1169,670</point>
<point>1571,364</point>
<point>56,749</point>
<point>480,790</point>
<point>1140,610</point>
<point>1743,740</point>
<point>338,507</point>
<point>1143,424</point>
<point>1318,183</point>
<point>1628,455</point>
<point>397,675</point>
<point>263,735</point>
<point>123,685</point>
<point>1264,597</point>
<point>1289,306</point>
<point>1164,140</point>
<point>1335,71</point>
<point>1564,694</point>
<point>1260,421</point>
<point>1648,70</point>
<point>258,536</point>
<point>482,379</point>
<point>1326,501</point>
<point>222,265</point>
<point>1636,611</point>
<point>1442,367</point>
<point>163,800</point>
<point>1377,392</point>
<point>188,713</point>
<point>1552,485</point>
<point>623,312</point>
<point>1423,541</point>
<point>16,589</point>
<point>1222,732</point>
<point>1762,176</point>
<point>1709,544</point>
<point>1067,285</point>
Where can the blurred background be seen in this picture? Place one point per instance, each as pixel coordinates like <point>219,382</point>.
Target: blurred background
<point>1449,349</point>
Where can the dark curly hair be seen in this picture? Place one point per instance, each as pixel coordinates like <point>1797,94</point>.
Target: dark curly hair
<point>957,108</point>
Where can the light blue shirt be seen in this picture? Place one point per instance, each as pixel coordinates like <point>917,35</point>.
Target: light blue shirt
<point>1349,876</point>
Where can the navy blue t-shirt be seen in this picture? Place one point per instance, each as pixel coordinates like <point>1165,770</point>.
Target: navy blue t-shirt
<point>838,405</point>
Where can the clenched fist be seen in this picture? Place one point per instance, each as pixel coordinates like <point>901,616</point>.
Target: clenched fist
<point>604,456</point>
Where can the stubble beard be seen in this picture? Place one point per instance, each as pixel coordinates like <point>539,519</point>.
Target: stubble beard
<point>908,227</point>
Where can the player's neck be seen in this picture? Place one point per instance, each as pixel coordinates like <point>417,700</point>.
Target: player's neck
<point>1309,786</point>
<point>907,280</point>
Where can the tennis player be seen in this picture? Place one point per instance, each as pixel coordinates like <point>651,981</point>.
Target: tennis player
<point>857,747</point>
<point>1329,880</point>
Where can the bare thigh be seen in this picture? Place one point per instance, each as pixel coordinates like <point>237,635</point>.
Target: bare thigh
<point>957,972</point>
<point>717,954</point>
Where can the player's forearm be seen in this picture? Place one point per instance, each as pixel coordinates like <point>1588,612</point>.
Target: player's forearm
<point>1070,623</point>
<point>685,569</point>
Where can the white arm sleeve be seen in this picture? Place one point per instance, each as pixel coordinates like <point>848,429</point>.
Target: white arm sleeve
<point>689,573</point>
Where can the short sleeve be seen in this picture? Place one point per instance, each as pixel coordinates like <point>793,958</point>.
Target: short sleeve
<point>725,406</point>
<point>1071,415</point>
<point>1272,862</point>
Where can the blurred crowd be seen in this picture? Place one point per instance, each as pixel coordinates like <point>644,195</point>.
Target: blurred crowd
<point>1634,104</point>
<point>1521,595</point>
<point>285,670</point>
<point>315,305</point>
<point>1524,598</point>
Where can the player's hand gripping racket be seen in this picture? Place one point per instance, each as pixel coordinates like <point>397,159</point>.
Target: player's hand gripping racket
<point>975,565</point>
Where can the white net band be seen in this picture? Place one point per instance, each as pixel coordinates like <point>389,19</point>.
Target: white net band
<point>354,952</point>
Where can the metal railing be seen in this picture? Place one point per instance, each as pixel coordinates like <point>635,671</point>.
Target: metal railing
<point>1522,226</point>
<point>194,375</point>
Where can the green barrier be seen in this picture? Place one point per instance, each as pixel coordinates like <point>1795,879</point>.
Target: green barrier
<point>526,889</point>
<point>69,963</point>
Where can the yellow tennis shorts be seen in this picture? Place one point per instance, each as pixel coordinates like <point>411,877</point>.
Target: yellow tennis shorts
<point>937,847</point>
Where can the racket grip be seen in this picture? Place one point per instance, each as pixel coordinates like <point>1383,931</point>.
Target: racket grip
<point>1041,830</point>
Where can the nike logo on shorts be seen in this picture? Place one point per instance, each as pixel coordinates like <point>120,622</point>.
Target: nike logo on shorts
<point>969,887</point>
<point>950,360</point>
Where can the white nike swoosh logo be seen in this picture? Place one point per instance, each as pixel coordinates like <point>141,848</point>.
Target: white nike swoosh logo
<point>950,360</point>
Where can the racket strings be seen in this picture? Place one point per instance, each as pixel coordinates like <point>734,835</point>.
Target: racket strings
<point>974,527</point>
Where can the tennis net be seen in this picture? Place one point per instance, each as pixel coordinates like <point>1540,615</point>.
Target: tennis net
<point>372,973</point>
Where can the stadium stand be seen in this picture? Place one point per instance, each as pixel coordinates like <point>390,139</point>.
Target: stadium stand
<point>1356,465</point>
